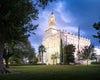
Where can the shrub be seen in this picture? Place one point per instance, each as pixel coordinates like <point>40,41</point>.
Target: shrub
<point>95,62</point>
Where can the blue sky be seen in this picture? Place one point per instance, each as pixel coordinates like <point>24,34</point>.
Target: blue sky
<point>69,15</point>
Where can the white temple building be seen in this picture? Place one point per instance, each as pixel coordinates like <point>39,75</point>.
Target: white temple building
<point>52,41</point>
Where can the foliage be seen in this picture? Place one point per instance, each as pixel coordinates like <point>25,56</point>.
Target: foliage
<point>16,22</point>
<point>31,56</point>
<point>79,55</point>
<point>69,53</point>
<point>53,56</point>
<point>95,62</point>
<point>97,27</point>
<point>22,51</point>
<point>43,3</point>
<point>93,56</point>
<point>61,51</point>
<point>8,52</point>
<point>15,17</point>
<point>42,49</point>
<point>87,51</point>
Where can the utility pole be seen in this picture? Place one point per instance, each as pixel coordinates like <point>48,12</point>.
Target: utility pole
<point>78,42</point>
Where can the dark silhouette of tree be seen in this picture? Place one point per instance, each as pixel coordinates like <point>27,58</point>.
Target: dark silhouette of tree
<point>29,52</point>
<point>87,52</point>
<point>61,51</point>
<point>69,53</point>
<point>8,52</point>
<point>18,52</point>
<point>42,49</point>
<point>94,56</point>
<point>16,22</point>
<point>97,27</point>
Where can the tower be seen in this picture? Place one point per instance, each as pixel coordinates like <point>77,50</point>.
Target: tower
<point>51,41</point>
<point>52,26</point>
<point>52,22</point>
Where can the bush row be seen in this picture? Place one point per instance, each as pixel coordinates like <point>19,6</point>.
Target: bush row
<point>95,62</point>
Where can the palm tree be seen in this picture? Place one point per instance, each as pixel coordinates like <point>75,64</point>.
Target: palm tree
<point>53,57</point>
<point>41,50</point>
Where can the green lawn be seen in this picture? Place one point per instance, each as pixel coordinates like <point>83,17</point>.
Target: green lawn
<point>59,72</point>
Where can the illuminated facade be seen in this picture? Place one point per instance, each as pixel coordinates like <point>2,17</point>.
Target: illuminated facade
<point>52,41</point>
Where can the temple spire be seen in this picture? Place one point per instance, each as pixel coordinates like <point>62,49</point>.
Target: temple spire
<point>52,22</point>
<point>52,11</point>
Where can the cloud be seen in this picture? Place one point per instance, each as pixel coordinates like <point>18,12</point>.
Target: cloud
<point>97,50</point>
<point>60,10</point>
<point>58,7</point>
<point>64,21</point>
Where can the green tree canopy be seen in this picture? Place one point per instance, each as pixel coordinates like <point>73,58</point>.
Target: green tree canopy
<point>69,53</point>
<point>97,27</point>
<point>61,51</point>
<point>16,22</point>
<point>87,51</point>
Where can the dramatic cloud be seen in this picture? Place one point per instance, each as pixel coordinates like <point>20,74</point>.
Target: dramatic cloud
<point>68,17</point>
<point>97,50</point>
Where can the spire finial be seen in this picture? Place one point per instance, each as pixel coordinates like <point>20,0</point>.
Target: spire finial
<point>52,11</point>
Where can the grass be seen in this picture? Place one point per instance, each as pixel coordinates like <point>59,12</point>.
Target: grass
<point>59,72</point>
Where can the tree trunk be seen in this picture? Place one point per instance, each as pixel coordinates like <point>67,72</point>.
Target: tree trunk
<point>87,63</point>
<point>53,61</point>
<point>3,69</point>
<point>6,60</point>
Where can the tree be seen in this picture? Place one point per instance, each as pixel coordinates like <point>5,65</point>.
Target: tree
<point>97,27</point>
<point>31,55</point>
<point>87,52</point>
<point>29,52</point>
<point>17,57</point>
<point>61,51</point>
<point>69,53</point>
<point>94,56</point>
<point>8,52</point>
<point>18,52</point>
<point>42,49</point>
<point>53,56</point>
<point>16,18</point>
